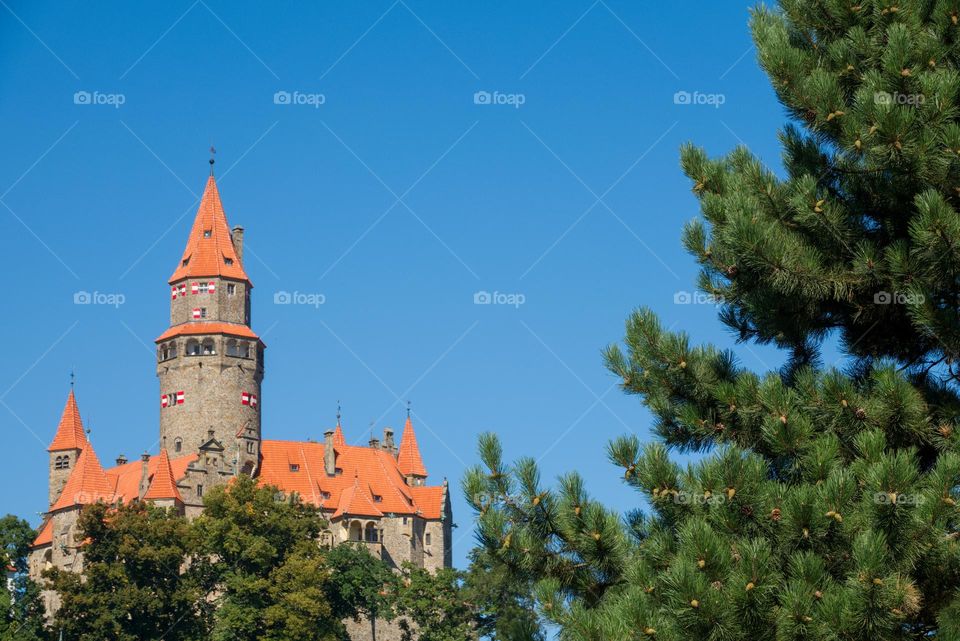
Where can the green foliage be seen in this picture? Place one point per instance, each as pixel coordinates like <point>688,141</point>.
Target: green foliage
<point>133,586</point>
<point>504,608</point>
<point>23,616</point>
<point>435,604</point>
<point>258,554</point>
<point>825,505</point>
<point>361,586</point>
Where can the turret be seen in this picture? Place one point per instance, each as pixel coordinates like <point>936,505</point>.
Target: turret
<point>65,447</point>
<point>209,361</point>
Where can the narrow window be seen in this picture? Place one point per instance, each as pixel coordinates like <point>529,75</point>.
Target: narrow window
<point>427,538</point>
<point>177,445</point>
<point>203,312</point>
<point>231,289</point>
<point>251,447</point>
<point>199,490</point>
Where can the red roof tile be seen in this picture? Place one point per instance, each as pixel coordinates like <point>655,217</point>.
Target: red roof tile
<point>45,536</point>
<point>87,483</point>
<point>365,473</point>
<point>70,434</point>
<point>408,458</point>
<point>163,485</point>
<point>429,499</point>
<point>209,250</point>
<point>207,327</point>
<point>338,436</point>
<point>129,474</point>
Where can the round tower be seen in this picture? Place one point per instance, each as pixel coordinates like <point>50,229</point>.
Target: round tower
<point>209,361</point>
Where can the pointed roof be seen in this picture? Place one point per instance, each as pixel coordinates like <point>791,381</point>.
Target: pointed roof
<point>354,500</point>
<point>70,434</point>
<point>88,483</point>
<point>338,439</point>
<point>408,458</point>
<point>209,250</point>
<point>163,485</point>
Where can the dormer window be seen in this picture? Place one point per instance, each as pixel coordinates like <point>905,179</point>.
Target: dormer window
<point>294,467</point>
<point>377,498</point>
<point>184,262</point>
<point>228,261</point>
<point>207,233</point>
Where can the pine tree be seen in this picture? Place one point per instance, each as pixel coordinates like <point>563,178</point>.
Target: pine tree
<point>824,506</point>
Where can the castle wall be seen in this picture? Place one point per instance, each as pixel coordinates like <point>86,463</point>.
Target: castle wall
<point>221,305</point>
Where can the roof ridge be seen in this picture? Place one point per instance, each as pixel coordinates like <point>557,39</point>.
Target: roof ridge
<point>87,483</point>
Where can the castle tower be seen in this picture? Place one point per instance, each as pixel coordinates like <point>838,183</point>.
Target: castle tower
<point>408,457</point>
<point>209,361</point>
<point>65,447</point>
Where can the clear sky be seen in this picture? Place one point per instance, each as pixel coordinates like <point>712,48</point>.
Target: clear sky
<point>355,144</point>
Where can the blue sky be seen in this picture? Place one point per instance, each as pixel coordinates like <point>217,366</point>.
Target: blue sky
<point>387,185</point>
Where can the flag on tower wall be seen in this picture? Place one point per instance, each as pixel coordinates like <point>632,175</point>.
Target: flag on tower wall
<point>194,288</point>
<point>196,313</point>
<point>173,293</point>
<point>180,396</point>
<point>244,398</point>
<point>210,287</point>
<point>164,400</point>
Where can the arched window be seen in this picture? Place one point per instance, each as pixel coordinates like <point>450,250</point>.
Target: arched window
<point>193,347</point>
<point>163,353</point>
<point>356,531</point>
<point>244,349</point>
<point>232,348</point>
<point>208,346</point>
<point>370,533</point>
<point>61,462</point>
<point>177,445</point>
<point>173,349</point>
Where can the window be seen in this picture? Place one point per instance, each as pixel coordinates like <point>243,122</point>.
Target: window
<point>199,490</point>
<point>185,262</point>
<point>61,463</point>
<point>370,533</point>
<point>294,467</point>
<point>178,445</point>
<point>228,261</point>
<point>251,447</point>
<point>426,538</point>
<point>203,312</point>
<point>193,347</point>
<point>232,347</point>
<point>209,347</point>
<point>231,289</point>
<point>207,233</point>
<point>404,520</point>
<point>377,498</point>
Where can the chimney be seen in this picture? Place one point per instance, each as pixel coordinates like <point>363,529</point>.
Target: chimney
<point>144,474</point>
<point>329,455</point>
<point>374,443</point>
<point>388,443</point>
<point>121,460</point>
<point>236,235</point>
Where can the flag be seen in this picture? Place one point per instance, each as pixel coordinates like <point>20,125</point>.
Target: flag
<point>183,289</point>
<point>180,398</point>
<point>173,293</point>
<point>253,400</point>
<point>164,400</point>
<point>194,288</point>
<point>244,398</point>
<point>210,288</point>
<point>196,313</point>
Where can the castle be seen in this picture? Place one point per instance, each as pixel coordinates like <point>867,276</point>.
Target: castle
<point>211,365</point>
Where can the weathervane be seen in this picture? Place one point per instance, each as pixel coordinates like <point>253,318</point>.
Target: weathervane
<point>338,412</point>
<point>408,409</point>
<point>213,152</point>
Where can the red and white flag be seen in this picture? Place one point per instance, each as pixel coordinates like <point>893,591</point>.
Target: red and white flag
<point>179,398</point>
<point>173,293</point>
<point>164,400</point>
<point>196,313</point>
<point>253,400</point>
<point>194,288</point>
<point>244,398</point>
<point>210,288</point>
<point>183,289</point>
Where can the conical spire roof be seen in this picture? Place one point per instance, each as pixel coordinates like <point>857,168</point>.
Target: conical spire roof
<point>163,485</point>
<point>408,459</point>
<point>70,434</point>
<point>209,251</point>
<point>338,439</point>
<point>88,483</point>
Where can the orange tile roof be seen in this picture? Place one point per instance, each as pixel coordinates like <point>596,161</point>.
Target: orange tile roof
<point>366,473</point>
<point>338,436</point>
<point>45,536</point>
<point>70,434</point>
<point>87,483</point>
<point>129,474</point>
<point>355,501</point>
<point>207,327</point>
<point>408,458</point>
<point>163,485</point>
<point>430,499</point>
<point>209,250</point>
